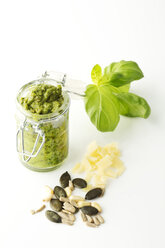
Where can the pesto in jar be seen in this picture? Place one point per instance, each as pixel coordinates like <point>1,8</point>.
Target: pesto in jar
<point>44,99</point>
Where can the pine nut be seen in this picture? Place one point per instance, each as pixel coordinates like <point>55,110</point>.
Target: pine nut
<point>63,215</point>
<point>73,203</point>
<point>96,221</point>
<point>76,198</point>
<point>38,210</point>
<point>89,218</point>
<point>68,191</point>
<point>67,206</point>
<point>71,185</point>
<point>81,204</point>
<point>83,216</point>
<point>64,199</point>
<point>90,224</point>
<point>96,205</point>
<point>67,222</point>
<point>100,218</point>
<point>48,194</point>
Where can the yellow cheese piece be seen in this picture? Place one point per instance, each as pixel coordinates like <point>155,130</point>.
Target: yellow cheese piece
<point>100,163</point>
<point>92,149</point>
<point>105,162</point>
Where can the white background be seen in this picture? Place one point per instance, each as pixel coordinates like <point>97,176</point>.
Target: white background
<point>71,36</point>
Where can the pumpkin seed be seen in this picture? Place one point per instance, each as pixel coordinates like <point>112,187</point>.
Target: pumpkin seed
<point>89,210</point>
<point>79,183</point>
<point>93,193</point>
<point>76,210</point>
<point>64,179</point>
<point>59,192</point>
<point>56,205</point>
<point>53,216</point>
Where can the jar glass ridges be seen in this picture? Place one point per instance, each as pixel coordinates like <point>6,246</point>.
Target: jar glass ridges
<point>42,140</point>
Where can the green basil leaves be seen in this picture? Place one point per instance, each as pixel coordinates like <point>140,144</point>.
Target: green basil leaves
<point>96,74</point>
<point>102,107</point>
<point>123,72</point>
<point>109,96</point>
<point>132,105</point>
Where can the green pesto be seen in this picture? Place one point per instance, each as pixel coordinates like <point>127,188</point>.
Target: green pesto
<point>45,99</point>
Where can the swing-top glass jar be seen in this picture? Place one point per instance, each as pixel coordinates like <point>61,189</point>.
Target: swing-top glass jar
<point>42,123</point>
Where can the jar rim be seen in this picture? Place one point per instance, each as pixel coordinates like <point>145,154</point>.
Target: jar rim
<point>44,117</point>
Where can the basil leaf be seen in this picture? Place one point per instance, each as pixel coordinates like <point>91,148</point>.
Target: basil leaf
<point>123,72</point>
<point>96,73</point>
<point>133,106</point>
<point>124,88</point>
<point>102,107</point>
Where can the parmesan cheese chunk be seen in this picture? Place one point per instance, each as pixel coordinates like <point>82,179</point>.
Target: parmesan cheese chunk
<point>100,163</point>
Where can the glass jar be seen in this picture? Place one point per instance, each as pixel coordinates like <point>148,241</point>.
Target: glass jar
<point>42,140</point>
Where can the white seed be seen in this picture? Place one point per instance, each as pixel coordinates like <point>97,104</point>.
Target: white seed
<point>83,216</point>
<point>38,210</point>
<point>89,218</point>
<point>66,211</point>
<point>81,204</point>
<point>96,205</point>
<point>69,215</point>
<point>72,217</point>
<point>67,222</point>
<point>64,199</point>
<point>73,203</point>
<point>100,218</point>
<point>69,207</point>
<point>68,191</point>
<point>71,185</point>
<point>76,198</point>
<point>32,211</point>
<point>63,215</point>
<point>96,221</point>
<point>90,224</point>
<point>48,193</point>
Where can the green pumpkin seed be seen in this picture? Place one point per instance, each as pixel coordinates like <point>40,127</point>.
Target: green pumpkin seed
<point>76,211</point>
<point>79,183</point>
<point>64,179</point>
<point>59,192</point>
<point>56,205</point>
<point>93,193</point>
<point>53,216</point>
<point>88,210</point>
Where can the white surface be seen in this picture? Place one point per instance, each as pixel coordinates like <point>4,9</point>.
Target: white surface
<point>72,36</point>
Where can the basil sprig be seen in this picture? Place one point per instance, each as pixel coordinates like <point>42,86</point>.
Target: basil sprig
<point>109,97</point>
